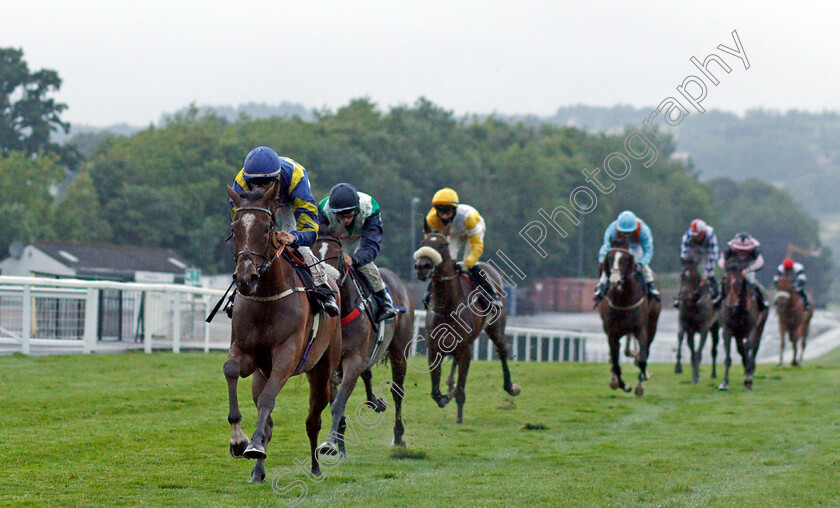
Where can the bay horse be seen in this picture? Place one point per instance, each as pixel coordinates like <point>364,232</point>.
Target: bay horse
<point>742,320</point>
<point>626,310</point>
<point>794,320</point>
<point>697,316</point>
<point>362,347</point>
<point>456,317</point>
<point>274,333</point>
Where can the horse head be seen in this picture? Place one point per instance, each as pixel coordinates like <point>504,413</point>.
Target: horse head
<point>619,265</point>
<point>735,282</point>
<point>433,252</point>
<point>328,248</point>
<point>254,236</point>
<point>690,281</point>
<point>784,289</point>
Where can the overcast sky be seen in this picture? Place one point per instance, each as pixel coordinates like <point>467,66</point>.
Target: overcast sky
<point>131,61</point>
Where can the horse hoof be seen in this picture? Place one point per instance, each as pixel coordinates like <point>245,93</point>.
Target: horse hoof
<point>648,375</point>
<point>255,451</point>
<point>380,405</point>
<point>678,369</point>
<point>255,478</point>
<point>640,390</point>
<point>695,380</point>
<point>723,387</point>
<point>327,448</point>
<point>515,389</point>
<point>614,383</point>
<point>400,443</point>
<point>237,450</point>
<point>627,388</point>
<point>442,401</point>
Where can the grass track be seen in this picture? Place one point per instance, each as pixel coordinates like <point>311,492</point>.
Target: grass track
<point>151,430</point>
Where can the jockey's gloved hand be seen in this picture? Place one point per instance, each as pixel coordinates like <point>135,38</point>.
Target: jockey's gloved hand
<point>462,266</point>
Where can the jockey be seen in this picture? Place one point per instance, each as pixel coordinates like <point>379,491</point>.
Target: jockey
<point>796,272</point>
<point>701,236</point>
<point>746,249</point>
<point>641,246</point>
<point>262,168</point>
<point>362,236</point>
<point>466,228</point>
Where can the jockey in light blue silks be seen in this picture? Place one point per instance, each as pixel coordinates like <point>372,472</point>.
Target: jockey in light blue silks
<point>640,246</point>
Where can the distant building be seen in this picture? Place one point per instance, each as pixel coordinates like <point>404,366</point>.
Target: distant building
<point>97,262</point>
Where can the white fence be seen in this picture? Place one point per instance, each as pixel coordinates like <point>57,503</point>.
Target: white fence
<point>525,343</point>
<point>90,315</point>
<point>79,313</point>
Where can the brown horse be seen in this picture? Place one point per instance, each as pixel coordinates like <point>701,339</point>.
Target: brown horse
<point>362,346</point>
<point>274,333</point>
<point>626,310</point>
<point>742,320</point>
<point>794,320</point>
<point>457,315</point>
<point>697,316</point>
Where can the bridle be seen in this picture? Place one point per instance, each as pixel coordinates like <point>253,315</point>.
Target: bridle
<point>342,266</point>
<point>434,268</point>
<point>269,258</point>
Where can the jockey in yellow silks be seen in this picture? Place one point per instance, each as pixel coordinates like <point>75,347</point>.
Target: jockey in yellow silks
<point>466,230</point>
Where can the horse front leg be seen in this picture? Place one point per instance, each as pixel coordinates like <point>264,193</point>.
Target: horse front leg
<point>462,356</point>
<point>680,336</point>
<point>377,403</point>
<point>727,362</point>
<point>398,370</point>
<point>281,370</point>
<point>641,360</point>
<point>697,357</point>
<point>615,369</point>
<point>435,358</point>
<point>351,367</point>
<point>715,332</point>
<point>257,385</point>
<point>694,371</point>
<point>450,380</point>
<point>236,365</point>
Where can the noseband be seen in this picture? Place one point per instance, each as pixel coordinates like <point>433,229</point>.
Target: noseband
<point>269,259</point>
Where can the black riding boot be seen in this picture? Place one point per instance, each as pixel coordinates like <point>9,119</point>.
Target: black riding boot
<point>384,306</point>
<point>804,296</point>
<point>487,286</point>
<point>652,292</point>
<point>714,290</point>
<point>326,299</point>
<point>762,298</point>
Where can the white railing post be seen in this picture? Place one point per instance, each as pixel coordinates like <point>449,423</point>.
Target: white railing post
<point>91,319</point>
<point>515,343</point>
<point>147,321</point>
<point>539,348</point>
<point>26,317</point>
<point>528,347</point>
<point>206,300</point>
<point>176,322</point>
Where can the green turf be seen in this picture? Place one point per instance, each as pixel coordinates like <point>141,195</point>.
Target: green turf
<point>151,430</point>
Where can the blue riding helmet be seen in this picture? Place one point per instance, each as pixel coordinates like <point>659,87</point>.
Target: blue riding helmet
<point>627,222</point>
<point>261,162</point>
<point>343,198</point>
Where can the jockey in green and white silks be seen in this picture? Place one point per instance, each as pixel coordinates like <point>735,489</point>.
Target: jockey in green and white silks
<point>362,237</point>
<point>640,246</point>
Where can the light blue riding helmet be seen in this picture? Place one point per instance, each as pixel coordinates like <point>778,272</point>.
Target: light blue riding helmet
<point>627,222</point>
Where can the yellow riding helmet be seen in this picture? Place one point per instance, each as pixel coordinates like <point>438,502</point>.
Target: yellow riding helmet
<point>445,196</point>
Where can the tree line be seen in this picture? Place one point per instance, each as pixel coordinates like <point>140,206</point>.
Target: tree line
<point>164,186</point>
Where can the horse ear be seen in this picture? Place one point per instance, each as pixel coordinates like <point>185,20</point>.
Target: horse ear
<point>426,227</point>
<point>233,196</point>
<point>271,193</point>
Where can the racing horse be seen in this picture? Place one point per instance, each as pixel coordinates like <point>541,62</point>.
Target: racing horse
<point>626,310</point>
<point>274,333</point>
<point>697,316</point>
<point>794,320</point>
<point>362,346</point>
<point>742,320</point>
<point>457,314</point>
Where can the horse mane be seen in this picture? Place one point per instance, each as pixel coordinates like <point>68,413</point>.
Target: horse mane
<point>252,195</point>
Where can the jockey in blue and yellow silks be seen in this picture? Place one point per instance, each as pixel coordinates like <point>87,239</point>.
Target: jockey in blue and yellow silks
<point>295,209</point>
<point>640,245</point>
